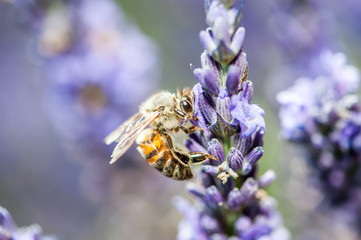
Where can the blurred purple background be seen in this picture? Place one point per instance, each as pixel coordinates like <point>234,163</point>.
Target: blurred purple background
<point>40,182</point>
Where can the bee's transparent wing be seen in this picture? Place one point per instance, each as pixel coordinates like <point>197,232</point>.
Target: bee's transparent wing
<point>129,134</point>
<point>127,126</point>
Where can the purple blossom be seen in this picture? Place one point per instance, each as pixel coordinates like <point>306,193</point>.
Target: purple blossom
<point>249,116</point>
<point>88,84</point>
<point>8,229</point>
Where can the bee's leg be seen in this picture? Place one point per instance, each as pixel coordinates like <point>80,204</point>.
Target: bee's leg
<point>194,128</point>
<point>187,130</point>
<point>182,158</point>
<point>180,113</point>
<point>193,118</point>
<point>200,157</point>
<point>176,129</point>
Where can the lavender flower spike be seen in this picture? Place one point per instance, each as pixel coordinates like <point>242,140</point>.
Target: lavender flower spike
<point>323,116</point>
<point>231,202</point>
<point>221,40</point>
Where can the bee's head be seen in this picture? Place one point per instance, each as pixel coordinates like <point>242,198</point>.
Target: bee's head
<point>185,100</point>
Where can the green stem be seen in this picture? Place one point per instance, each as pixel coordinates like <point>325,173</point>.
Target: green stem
<point>224,75</point>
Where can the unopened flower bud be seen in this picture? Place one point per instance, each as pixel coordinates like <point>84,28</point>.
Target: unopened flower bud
<point>216,150</point>
<point>235,159</point>
<point>213,197</point>
<point>249,189</point>
<point>234,199</point>
<point>255,155</point>
<point>267,178</point>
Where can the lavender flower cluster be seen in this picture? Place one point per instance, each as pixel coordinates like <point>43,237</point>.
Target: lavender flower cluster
<point>322,114</point>
<point>9,231</point>
<point>95,62</point>
<point>231,202</point>
<point>94,81</point>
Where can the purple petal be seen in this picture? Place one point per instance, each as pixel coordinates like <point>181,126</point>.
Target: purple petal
<point>211,81</point>
<point>233,79</point>
<point>207,41</point>
<point>248,115</point>
<point>223,93</point>
<point>6,221</point>
<point>222,107</point>
<point>221,32</point>
<point>199,75</point>
<point>238,39</point>
<point>247,91</point>
<point>216,10</point>
<point>203,109</point>
<point>208,62</point>
<point>241,62</point>
<point>258,137</point>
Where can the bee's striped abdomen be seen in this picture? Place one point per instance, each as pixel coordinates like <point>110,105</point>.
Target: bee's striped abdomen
<point>156,150</point>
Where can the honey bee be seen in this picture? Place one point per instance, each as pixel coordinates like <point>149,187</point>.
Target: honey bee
<point>164,112</point>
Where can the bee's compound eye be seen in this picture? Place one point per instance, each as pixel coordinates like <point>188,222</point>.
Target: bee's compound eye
<point>186,106</point>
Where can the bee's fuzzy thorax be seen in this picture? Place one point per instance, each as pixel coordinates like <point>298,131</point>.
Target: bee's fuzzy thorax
<point>168,119</point>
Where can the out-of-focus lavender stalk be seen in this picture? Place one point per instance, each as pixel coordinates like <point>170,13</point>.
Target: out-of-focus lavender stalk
<point>9,231</point>
<point>231,201</point>
<point>321,112</point>
<point>322,115</point>
<point>98,67</point>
